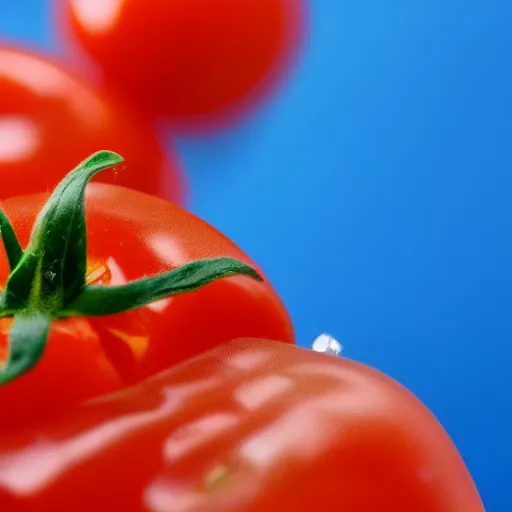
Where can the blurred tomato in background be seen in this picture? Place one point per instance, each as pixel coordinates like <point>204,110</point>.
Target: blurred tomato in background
<point>198,62</point>
<point>50,120</point>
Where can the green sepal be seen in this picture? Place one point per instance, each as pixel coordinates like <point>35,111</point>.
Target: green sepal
<point>52,271</point>
<point>27,341</point>
<point>10,240</point>
<point>109,300</point>
<point>48,280</point>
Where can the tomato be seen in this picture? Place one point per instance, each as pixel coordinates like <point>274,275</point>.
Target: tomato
<point>130,236</point>
<point>250,426</point>
<point>50,120</point>
<point>184,58</point>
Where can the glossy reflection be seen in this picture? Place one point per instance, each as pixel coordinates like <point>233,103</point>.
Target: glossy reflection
<point>194,435</point>
<point>42,463</point>
<point>255,394</point>
<point>97,15</point>
<point>19,139</point>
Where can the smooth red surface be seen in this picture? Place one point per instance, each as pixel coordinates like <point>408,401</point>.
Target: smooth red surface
<point>184,58</point>
<point>251,426</point>
<point>50,120</point>
<point>133,235</point>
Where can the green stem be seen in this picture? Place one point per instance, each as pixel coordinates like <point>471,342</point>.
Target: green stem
<point>12,245</point>
<point>48,280</point>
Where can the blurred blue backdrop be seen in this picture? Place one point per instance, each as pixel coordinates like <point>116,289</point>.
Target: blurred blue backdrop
<point>375,191</point>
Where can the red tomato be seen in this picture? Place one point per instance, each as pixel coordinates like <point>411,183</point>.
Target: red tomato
<point>131,235</point>
<point>50,120</point>
<point>250,426</point>
<point>186,58</point>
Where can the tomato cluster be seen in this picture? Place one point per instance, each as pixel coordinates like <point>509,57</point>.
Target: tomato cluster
<point>146,363</point>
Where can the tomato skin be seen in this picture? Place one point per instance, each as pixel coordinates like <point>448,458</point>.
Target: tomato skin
<point>50,120</point>
<point>250,426</point>
<point>190,57</point>
<point>131,235</point>
<point>73,369</point>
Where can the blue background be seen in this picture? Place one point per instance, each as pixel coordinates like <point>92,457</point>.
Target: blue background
<point>375,190</point>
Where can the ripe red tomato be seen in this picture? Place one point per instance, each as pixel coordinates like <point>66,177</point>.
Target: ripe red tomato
<point>250,426</point>
<point>50,120</point>
<point>186,58</point>
<point>130,236</point>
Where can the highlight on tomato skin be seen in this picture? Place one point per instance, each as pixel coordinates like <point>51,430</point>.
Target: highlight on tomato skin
<point>251,425</point>
<point>201,64</point>
<point>51,119</point>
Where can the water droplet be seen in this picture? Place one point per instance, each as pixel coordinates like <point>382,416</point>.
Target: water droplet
<point>326,344</point>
